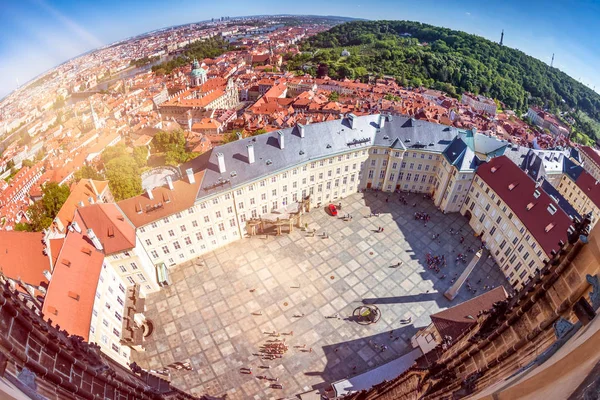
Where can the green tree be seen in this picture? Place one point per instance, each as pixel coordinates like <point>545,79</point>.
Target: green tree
<point>111,152</point>
<point>140,155</point>
<point>23,227</point>
<point>334,96</point>
<point>88,172</point>
<point>39,219</point>
<point>27,163</point>
<point>123,176</point>
<point>54,196</point>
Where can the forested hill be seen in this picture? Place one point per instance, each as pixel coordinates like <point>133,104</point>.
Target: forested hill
<point>419,54</point>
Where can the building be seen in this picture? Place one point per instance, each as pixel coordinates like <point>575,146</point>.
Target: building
<point>100,266</point>
<point>479,103</point>
<point>591,161</point>
<point>83,193</point>
<point>547,121</point>
<point>449,324</point>
<point>40,360</point>
<point>521,225</point>
<point>197,75</point>
<point>581,190</point>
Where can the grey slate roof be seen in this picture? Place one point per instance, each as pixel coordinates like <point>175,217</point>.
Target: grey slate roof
<point>320,141</point>
<point>571,169</point>
<point>560,200</point>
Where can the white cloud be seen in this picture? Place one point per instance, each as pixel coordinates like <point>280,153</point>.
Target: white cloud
<point>468,13</point>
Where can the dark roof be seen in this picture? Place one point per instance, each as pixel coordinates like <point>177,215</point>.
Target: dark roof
<point>321,140</point>
<point>558,198</point>
<point>571,169</point>
<point>591,153</point>
<point>548,229</point>
<point>455,320</point>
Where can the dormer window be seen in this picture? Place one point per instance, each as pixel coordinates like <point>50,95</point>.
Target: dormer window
<point>552,209</point>
<point>536,193</point>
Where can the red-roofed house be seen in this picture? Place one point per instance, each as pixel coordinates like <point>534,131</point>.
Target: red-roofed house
<point>452,322</point>
<point>521,224</point>
<point>83,193</point>
<point>591,161</point>
<point>95,287</point>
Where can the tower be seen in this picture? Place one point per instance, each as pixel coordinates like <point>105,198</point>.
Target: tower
<point>198,74</point>
<point>552,62</point>
<point>502,37</point>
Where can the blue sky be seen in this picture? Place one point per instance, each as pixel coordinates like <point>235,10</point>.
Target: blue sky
<point>39,34</point>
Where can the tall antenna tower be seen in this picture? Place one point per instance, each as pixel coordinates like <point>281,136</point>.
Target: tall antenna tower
<point>502,37</point>
<point>552,62</point>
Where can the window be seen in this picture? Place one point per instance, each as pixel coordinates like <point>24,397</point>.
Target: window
<point>148,242</point>
<point>116,332</point>
<point>120,300</point>
<point>187,240</point>
<point>122,268</point>
<point>166,220</point>
<point>159,238</point>
<point>171,232</point>
<point>130,280</point>
<point>115,347</point>
<point>165,249</point>
<point>142,230</point>
<point>215,201</point>
<point>154,225</point>
<point>210,232</point>
<point>105,339</point>
<point>194,223</point>
<point>154,253</point>
<point>198,236</point>
<point>221,227</point>
<point>141,277</point>
<point>232,222</point>
<point>105,323</point>
<point>176,245</point>
<point>133,266</point>
<point>241,205</point>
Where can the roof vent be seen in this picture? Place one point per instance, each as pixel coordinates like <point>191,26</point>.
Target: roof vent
<point>328,146</point>
<point>301,152</point>
<point>52,310</point>
<point>73,295</point>
<point>233,173</point>
<point>549,227</point>
<point>86,250</point>
<point>431,144</point>
<point>66,262</point>
<point>512,186</point>
<point>530,206</point>
<point>494,169</point>
<point>386,137</point>
<point>269,162</point>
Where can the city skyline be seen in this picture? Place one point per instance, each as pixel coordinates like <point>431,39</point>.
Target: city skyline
<point>46,34</point>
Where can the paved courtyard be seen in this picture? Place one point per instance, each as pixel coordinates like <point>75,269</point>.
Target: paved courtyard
<point>297,281</point>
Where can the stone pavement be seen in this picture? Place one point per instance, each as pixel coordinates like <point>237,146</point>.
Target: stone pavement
<point>206,316</point>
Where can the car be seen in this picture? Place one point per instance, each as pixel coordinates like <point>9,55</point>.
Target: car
<point>333,209</point>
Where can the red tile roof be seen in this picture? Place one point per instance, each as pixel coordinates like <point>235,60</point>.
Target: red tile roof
<point>81,191</point>
<point>455,320</point>
<point>22,256</point>
<point>77,271</point>
<point>110,226</point>
<point>501,174</point>
<point>593,154</point>
<point>141,210</point>
<point>590,186</point>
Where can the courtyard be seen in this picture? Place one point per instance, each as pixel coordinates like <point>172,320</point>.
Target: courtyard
<point>220,307</point>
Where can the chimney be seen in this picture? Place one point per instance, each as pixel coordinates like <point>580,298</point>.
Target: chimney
<point>351,119</point>
<point>76,227</point>
<point>381,121</point>
<point>281,140</point>
<point>221,161</point>
<point>80,204</point>
<point>92,236</point>
<point>190,175</point>
<point>150,195</point>
<point>250,148</point>
<point>301,130</point>
<point>239,135</point>
<point>170,183</point>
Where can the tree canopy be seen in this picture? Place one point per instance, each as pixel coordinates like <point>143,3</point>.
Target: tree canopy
<point>172,144</point>
<point>122,171</point>
<point>200,50</point>
<point>43,212</point>
<point>418,54</point>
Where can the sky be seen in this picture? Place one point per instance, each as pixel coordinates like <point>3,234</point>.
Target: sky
<point>37,35</point>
